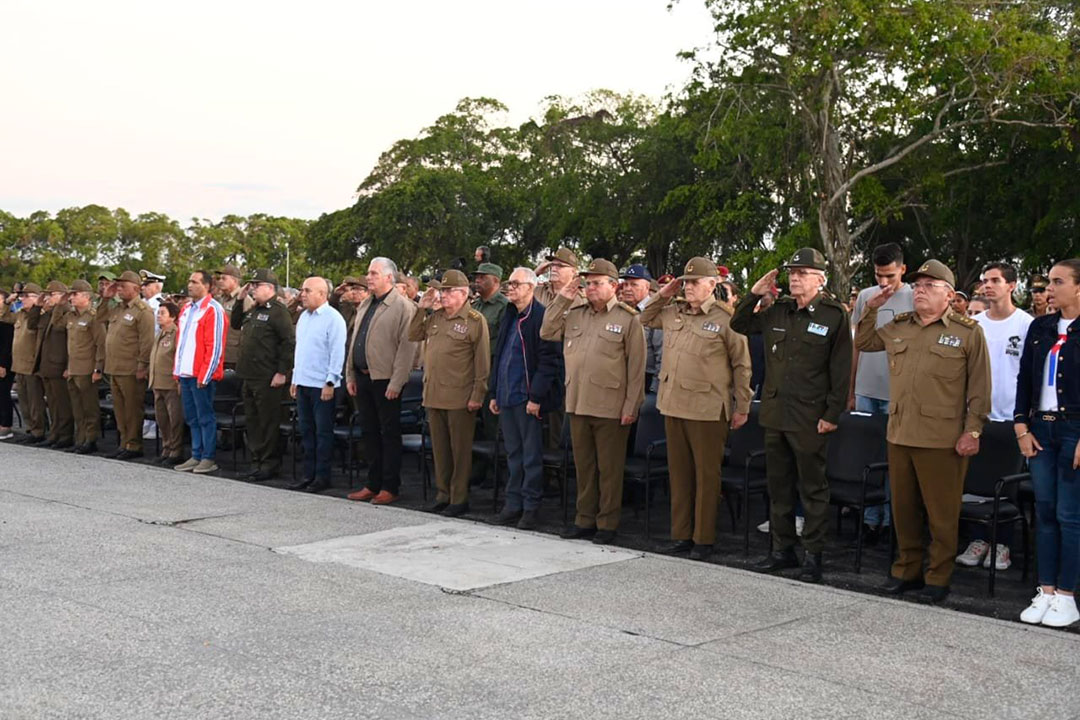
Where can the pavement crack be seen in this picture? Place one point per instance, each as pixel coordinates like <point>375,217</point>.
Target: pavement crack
<point>185,521</point>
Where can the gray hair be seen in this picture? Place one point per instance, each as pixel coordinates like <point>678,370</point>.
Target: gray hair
<point>329,287</point>
<point>530,276</point>
<point>389,267</point>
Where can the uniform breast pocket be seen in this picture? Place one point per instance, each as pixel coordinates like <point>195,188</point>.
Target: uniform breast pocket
<point>673,332</point>
<point>945,362</point>
<point>610,344</point>
<point>776,346</point>
<point>897,352</point>
<point>705,343</point>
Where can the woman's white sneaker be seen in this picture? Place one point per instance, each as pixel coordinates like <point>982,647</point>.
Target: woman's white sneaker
<point>973,556</point>
<point>1037,609</point>
<point>1062,611</point>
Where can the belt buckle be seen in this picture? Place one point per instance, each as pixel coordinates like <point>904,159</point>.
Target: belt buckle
<point>1049,418</point>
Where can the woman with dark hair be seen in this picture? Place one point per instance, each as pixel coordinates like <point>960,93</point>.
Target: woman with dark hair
<point>168,409</point>
<point>7,335</point>
<point>1047,422</point>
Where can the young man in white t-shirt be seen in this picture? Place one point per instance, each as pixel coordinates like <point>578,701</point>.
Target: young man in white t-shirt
<point>1005,326</point>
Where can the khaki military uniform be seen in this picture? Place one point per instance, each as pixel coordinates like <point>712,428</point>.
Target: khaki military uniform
<point>50,366</point>
<point>168,408</point>
<point>128,342</point>
<point>267,342</point>
<point>605,381</point>
<point>807,378</point>
<point>704,365</point>
<point>457,362</point>
<point>23,355</point>
<point>939,388</point>
<point>85,343</point>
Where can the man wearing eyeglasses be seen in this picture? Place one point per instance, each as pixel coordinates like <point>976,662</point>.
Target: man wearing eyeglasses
<point>939,399</point>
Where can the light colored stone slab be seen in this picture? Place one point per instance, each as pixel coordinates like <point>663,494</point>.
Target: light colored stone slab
<point>458,556</point>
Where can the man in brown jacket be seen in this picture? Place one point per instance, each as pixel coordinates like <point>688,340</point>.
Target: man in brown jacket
<point>380,358</point>
<point>23,354</point>
<point>604,347</point>
<point>128,342</point>
<point>704,365</point>
<point>51,364</point>
<point>457,360</point>
<point>939,399</point>
<point>86,343</point>
<point>227,281</point>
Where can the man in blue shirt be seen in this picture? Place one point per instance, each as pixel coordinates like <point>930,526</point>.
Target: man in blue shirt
<point>318,360</point>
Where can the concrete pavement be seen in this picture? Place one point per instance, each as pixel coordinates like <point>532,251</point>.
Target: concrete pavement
<point>132,592</point>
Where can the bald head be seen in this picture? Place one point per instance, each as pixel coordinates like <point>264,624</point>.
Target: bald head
<point>314,292</point>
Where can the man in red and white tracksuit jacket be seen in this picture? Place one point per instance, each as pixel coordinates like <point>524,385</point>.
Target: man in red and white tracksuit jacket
<point>201,330</point>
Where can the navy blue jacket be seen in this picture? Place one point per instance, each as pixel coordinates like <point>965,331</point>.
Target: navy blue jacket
<point>543,358</point>
<point>1041,336</point>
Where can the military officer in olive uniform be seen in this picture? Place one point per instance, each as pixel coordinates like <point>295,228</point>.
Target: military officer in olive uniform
<point>227,281</point>
<point>939,399</point>
<point>51,365</point>
<point>491,303</point>
<point>23,355</point>
<point>85,343</point>
<point>128,342</point>
<point>457,360</point>
<point>808,354</point>
<point>562,269</point>
<point>704,365</point>
<point>266,355</point>
<point>604,347</point>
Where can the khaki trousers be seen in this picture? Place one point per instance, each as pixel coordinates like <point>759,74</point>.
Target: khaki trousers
<point>451,443</point>
<point>31,403</point>
<point>927,485</point>
<point>599,458</point>
<point>61,420</point>
<point>169,414</point>
<point>129,394</point>
<point>85,408</point>
<point>695,451</point>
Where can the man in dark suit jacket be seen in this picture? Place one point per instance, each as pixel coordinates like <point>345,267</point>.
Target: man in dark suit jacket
<point>526,382</point>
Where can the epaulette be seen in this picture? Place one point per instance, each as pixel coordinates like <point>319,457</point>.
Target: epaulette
<point>829,299</point>
<point>903,317</point>
<point>962,319</point>
<point>729,309</point>
<point>475,315</point>
<point>627,308</point>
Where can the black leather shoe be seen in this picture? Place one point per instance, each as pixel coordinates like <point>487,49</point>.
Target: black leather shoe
<point>37,440</point>
<point>528,520</point>
<point>436,507</point>
<point>934,593</point>
<point>779,560</point>
<point>604,537</point>
<point>261,476</point>
<point>171,461</point>
<point>679,546</point>
<point>456,510</point>
<point>300,484</point>
<point>811,568</point>
<point>701,552</point>
<point>62,444</point>
<point>114,454</point>
<point>507,517</point>
<point>318,486</point>
<point>577,533</point>
<point>129,455</point>
<point>90,447</point>
<point>896,586</point>
<point>73,448</point>
<point>47,444</point>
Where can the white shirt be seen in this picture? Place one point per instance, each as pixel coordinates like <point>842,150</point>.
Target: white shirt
<point>1048,400</point>
<point>155,303</point>
<point>1004,345</point>
<point>872,375</point>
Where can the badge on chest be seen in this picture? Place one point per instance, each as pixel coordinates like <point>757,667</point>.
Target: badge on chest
<point>461,328</point>
<point>949,341</point>
<point>815,329</point>
<point>710,327</point>
<point>262,317</point>
<point>129,317</point>
<point>612,327</point>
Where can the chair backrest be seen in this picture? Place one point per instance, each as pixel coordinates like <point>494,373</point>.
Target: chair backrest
<point>747,439</point>
<point>998,456</point>
<point>650,427</point>
<point>413,392</point>
<point>859,440</point>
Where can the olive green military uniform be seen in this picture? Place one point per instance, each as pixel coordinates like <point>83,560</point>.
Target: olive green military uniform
<point>233,351</point>
<point>267,339</point>
<point>128,342</point>
<point>939,389</point>
<point>604,352</point>
<point>705,363</point>
<point>30,389</point>
<point>493,310</point>
<point>86,342</point>
<point>168,407</point>
<point>807,377</point>
<point>457,361</point>
<point>50,366</point>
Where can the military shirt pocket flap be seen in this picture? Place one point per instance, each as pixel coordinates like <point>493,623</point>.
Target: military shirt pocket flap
<point>605,380</point>
<point>611,343</point>
<point>946,362</point>
<point>700,386</point>
<point>945,412</point>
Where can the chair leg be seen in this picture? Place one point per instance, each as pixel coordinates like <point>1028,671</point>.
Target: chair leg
<point>858,545</point>
<point>746,518</point>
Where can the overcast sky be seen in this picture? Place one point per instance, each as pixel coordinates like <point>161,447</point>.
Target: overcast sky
<point>204,108</point>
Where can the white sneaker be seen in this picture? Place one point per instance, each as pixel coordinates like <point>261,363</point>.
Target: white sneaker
<point>205,465</point>
<point>189,464</point>
<point>976,551</point>
<point>1001,562</point>
<point>1035,612</point>
<point>800,523</point>
<point>763,527</point>
<point>1062,611</point>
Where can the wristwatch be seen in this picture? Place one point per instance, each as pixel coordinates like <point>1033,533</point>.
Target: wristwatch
<point>975,434</point>
<point>329,384</point>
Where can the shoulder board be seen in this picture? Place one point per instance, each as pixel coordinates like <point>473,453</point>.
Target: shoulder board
<point>627,308</point>
<point>903,317</point>
<point>139,303</point>
<point>828,298</point>
<point>962,319</point>
<point>475,315</point>
<point>727,309</point>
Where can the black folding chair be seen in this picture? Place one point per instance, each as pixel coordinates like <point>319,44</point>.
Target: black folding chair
<point>856,469</point>
<point>996,472</point>
<point>229,410</point>
<point>647,462</point>
<point>561,460</point>
<point>743,473</point>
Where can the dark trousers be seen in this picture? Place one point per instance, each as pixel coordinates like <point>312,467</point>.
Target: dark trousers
<point>795,470</point>
<point>61,420</point>
<point>315,418</point>
<point>7,417</point>
<point>380,420</point>
<point>262,413</point>
<point>199,415</point>
<point>523,437</point>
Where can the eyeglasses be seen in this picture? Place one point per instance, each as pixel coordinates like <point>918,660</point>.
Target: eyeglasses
<point>926,285</point>
<point>597,283</point>
<point>514,284</point>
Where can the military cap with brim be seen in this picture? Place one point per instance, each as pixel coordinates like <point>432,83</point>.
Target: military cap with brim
<point>489,269</point>
<point>636,271</point>
<point>81,286</point>
<point>454,278</point>
<point>56,286</point>
<point>563,255</point>
<point>807,258</point>
<point>262,275</point>
<point>699,267</point>
<point>229,270</point>
<point>354,281</point>
<point>129,276</point>
<point>31,289</point>
<point>1039,281</point>
<point>106,275</point>
<point>148,277</point>
<point>934,269</point>
<point>600,266</point>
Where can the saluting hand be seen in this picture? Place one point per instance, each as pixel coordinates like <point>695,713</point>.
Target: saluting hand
<point>671,289</point>
<point>427,300</point>
<point>765,284</point>
<point>881,297</point>
<point>570,289</point>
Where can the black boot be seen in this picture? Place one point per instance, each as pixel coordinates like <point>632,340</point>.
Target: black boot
<point>778,560</point>
<point>679,546</point>
<point>811,568</point>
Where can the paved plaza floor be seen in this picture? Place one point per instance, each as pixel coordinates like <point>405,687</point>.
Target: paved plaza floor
<point>128,591</point>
